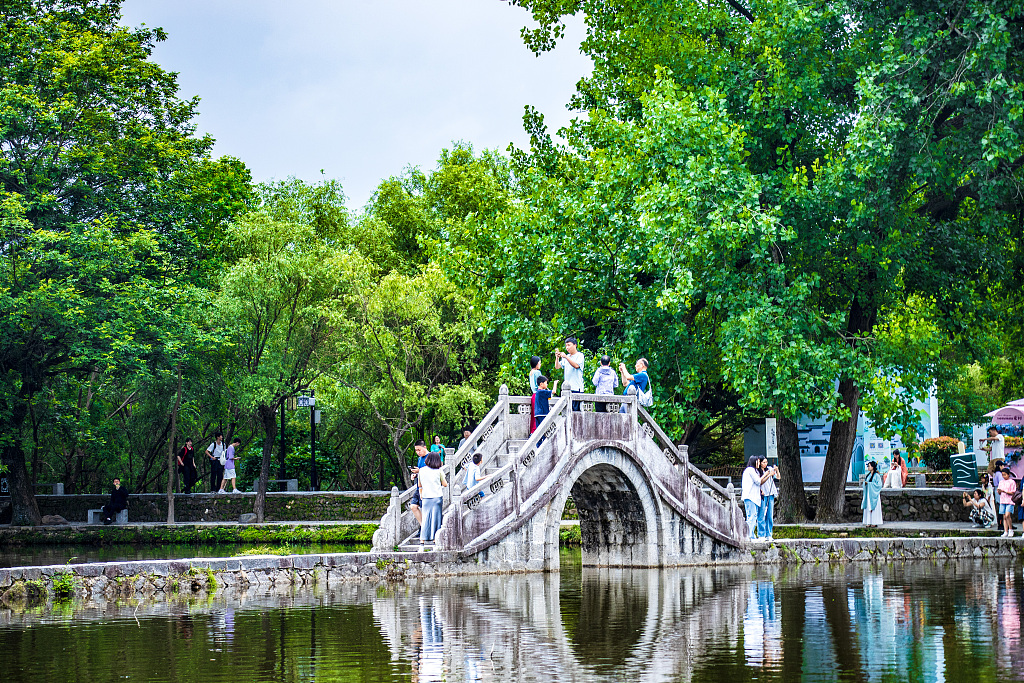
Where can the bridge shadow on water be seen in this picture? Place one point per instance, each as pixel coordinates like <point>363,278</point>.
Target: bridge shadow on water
<point>955,621</point>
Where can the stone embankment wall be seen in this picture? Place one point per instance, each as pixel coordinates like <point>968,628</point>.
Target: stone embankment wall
<point>922,505</point>
<point>123,579</point>
<point>209,507</point>
<point>907,505</point>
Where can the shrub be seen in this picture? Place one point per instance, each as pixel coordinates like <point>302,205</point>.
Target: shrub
<point>64,584</point>
<point>935,452</point>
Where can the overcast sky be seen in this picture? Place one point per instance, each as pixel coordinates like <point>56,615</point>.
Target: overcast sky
<point>358,88</point>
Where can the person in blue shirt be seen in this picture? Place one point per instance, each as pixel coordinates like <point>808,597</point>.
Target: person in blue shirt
<point>540,400</point>
<point>639,381</point>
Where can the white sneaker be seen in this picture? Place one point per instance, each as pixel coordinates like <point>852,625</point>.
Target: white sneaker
<point>235,491</point>
<point>1002,535</point>
<point>222,491</point>
<point>1009,534</point>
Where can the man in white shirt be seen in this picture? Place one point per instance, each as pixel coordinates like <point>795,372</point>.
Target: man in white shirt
<point>998,447</point>
<point>572,363</point>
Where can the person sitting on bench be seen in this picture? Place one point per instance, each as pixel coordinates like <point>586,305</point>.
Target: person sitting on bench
<point>118,502</point>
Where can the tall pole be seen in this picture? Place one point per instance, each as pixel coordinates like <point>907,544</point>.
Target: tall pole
<point>313,483</point>
<point>280,469</point>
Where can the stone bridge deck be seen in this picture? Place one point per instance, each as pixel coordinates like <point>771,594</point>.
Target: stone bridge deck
<point>640,502</point>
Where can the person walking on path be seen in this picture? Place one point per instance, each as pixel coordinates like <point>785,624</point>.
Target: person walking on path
<point>1007,487</point>
<point>751,488</point>
<point>430,481</point>
<point>118,502</point>
<point>871,502</point>
<point>229,466</point>
<point>466,433</point>
<point>572,363</point>
<point>187,465</point>
<point>605,382</point>
<point>215,453</point>
<point>635,384</point>
<point>415,504</point>
<point>437,447</point>
<point>769,489</point>
<point>896,477</point>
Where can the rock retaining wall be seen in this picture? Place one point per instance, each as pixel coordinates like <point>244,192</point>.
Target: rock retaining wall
<point>124,579</point>
<point>320,506</point>
<point>907,505</point>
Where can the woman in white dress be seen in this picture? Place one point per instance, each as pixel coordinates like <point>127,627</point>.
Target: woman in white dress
<point>872,498</point>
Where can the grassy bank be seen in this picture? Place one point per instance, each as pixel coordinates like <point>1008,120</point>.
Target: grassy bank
<point>257,534</point>
<point>798,532</point>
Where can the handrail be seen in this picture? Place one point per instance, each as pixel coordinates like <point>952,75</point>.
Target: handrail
<point>488,421</point>
<point>531,443</point>
<point>691,470</point>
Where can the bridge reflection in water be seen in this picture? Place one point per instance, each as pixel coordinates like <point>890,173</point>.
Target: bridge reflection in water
<point>954,621</point>
<point>856,623</point>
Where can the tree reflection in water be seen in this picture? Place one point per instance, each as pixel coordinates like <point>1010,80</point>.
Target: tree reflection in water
<point>956,621</point>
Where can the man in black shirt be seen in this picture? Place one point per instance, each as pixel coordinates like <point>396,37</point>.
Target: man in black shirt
<point>118,502</point>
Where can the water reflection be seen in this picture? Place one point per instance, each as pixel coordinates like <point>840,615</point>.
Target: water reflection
<point>921,622</point>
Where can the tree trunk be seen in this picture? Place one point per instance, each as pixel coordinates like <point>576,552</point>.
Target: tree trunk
<point>267,417</point>
<point>171,468</point>
<point>792,504</point>
<point>832,495</point>
<point>24,509</point>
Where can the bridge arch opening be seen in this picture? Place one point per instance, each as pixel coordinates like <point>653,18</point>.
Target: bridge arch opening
<point>617,512</point>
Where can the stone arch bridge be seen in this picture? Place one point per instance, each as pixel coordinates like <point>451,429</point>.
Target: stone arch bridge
<point>640,502</point>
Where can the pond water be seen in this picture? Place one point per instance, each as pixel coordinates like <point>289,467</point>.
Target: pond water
<point>41,555</point>
<point>919,622</point>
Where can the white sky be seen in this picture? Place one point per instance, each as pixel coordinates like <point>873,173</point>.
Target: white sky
<point>358,88</point>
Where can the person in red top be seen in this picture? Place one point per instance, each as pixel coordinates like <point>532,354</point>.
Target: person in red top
<point>1007,487</point>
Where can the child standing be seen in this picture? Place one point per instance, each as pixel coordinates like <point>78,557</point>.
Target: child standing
<point>605,382</point>
<point>1007,487</point>
<point>540,400</point>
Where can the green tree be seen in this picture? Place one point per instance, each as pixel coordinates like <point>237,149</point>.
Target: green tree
<point>282,305</point>
<point>413,356</point>
<point>97,163</point>
<point>889,138</point>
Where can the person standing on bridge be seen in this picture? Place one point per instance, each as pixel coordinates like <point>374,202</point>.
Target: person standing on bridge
<point>541,399</point>
<point>636,384</point>
<point>415,503</point>
<point>572,363</point>
<point>430,481</point>
<point>605,382</point>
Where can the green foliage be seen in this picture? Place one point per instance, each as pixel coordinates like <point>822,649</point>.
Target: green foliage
<point>65,584</point>
<point>883,142</point>
<point>936,452</point>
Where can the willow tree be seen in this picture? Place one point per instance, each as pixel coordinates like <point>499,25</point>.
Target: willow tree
<point>887,136</point>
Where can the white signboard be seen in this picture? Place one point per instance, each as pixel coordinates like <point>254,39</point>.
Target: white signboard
<point>875,447</point>
<point>305,402</point>
<point>771,437</point>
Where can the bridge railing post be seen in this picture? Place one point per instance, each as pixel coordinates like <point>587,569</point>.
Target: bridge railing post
<point>503,413</point>
<point>395,516</point>
<point>684,469</point>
